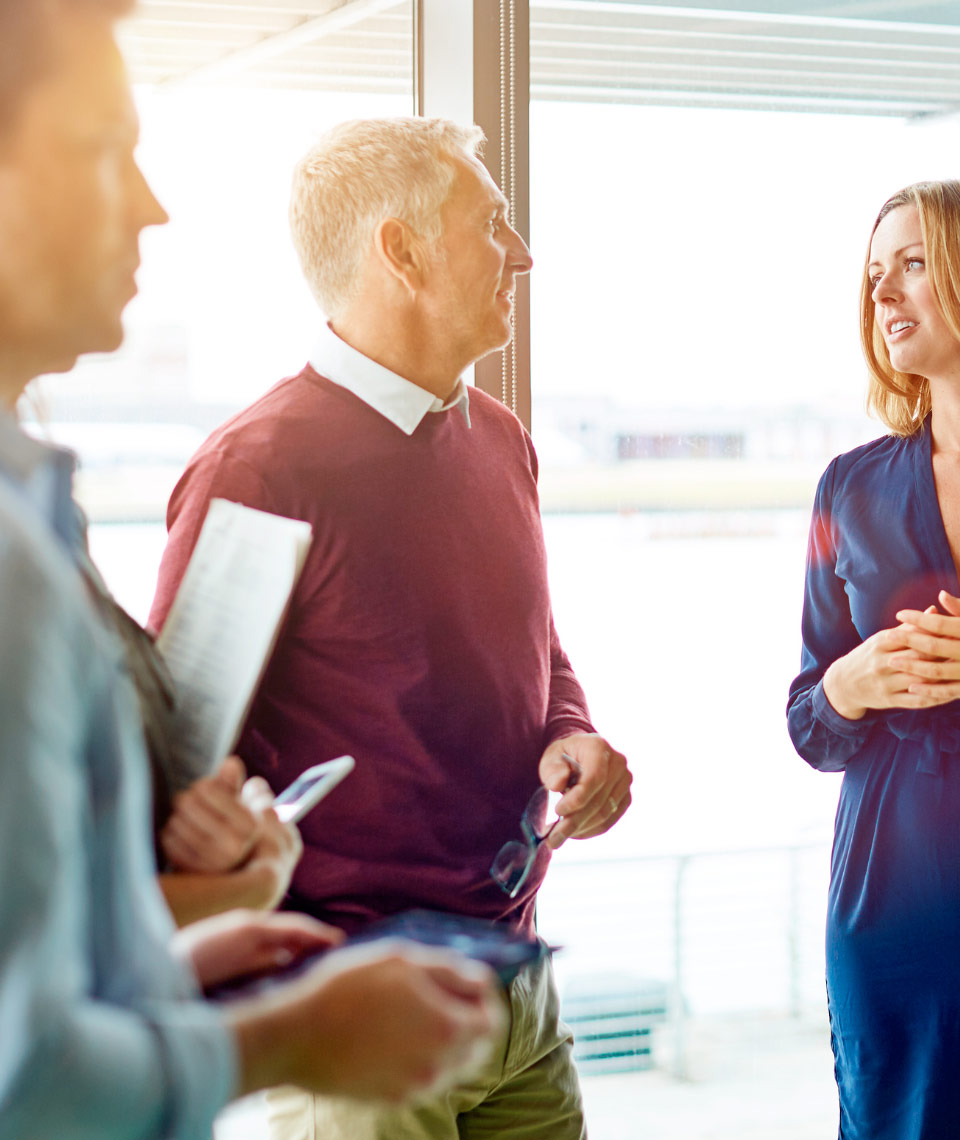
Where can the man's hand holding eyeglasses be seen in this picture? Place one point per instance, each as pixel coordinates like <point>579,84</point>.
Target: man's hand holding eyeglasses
<point>597,782</point>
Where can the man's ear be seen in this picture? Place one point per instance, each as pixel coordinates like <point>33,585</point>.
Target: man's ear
<point>401,253</point>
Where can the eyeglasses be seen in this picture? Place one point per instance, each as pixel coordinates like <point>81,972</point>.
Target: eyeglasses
<point>515,860</point>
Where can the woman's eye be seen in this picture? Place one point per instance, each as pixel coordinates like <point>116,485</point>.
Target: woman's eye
<point>914,263</point>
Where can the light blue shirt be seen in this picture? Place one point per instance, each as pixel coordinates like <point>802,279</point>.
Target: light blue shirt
<point>101,1035</point>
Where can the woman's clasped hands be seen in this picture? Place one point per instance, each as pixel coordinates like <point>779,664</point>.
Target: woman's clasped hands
<point>914,665</point>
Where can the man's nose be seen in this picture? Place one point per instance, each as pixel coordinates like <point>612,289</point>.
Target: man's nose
<point>145,206</point>
<point>522,260</point>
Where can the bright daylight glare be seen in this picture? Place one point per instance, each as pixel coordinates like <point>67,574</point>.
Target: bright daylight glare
<point>695,365</point>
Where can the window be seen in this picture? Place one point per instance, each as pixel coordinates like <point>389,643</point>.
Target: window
<point>702,186</point>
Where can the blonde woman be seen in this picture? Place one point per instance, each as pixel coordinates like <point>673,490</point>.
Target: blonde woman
<point>876,697</point>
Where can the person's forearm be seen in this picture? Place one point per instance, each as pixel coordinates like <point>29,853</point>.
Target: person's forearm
<point>191,896</point>
<point>836,690</point>
<point>567,711</point>
<point>381,1022</point>
<point>262,1033</point>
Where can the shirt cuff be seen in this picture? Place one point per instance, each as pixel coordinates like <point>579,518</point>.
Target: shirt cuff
<point>200,1058</point>
<point>828,715</point>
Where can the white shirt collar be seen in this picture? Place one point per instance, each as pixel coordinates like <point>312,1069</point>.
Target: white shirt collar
<point>403,403</point>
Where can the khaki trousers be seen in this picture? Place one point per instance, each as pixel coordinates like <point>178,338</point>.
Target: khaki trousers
<point>528,1091</point>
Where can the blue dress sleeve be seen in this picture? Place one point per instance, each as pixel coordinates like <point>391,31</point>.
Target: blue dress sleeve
<point>824,738</point>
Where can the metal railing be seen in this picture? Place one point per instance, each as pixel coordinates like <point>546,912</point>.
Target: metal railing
<point>720,932</point>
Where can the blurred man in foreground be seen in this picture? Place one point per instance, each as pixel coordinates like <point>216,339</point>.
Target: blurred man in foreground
<point>101,1031</point>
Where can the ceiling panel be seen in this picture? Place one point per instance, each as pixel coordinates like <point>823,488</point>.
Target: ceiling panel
<point>864,56</point>
<point>363,45</point>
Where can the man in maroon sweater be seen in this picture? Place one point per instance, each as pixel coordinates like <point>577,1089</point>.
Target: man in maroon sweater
<point>420,638</point>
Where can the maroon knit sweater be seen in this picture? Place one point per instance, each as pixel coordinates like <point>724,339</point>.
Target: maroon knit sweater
<point>420,640</point>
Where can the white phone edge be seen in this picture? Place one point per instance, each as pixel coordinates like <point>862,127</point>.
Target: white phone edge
<point>331,772</point>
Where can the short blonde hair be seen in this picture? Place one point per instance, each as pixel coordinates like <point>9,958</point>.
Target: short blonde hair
<point>360,173</point>
<point>901,399</point>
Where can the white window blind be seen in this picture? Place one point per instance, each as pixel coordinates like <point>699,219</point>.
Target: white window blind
<point>838,57</point>
<point>855,56</point>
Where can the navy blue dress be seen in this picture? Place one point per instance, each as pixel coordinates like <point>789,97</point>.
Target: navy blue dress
<point>877,545</point>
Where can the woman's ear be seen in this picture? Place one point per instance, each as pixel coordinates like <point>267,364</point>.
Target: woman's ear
<point>401,253</point>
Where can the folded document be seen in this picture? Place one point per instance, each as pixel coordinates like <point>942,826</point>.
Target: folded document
<point>224,622</point>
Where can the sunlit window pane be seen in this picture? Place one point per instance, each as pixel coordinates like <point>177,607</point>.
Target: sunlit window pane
<point>703,183</point>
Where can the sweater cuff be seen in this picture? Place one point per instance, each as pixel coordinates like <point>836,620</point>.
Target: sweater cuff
<point>561,728</point>
<point>828,716</point>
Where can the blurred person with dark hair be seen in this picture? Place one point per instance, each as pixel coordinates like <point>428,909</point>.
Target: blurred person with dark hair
<point>102,1033</point>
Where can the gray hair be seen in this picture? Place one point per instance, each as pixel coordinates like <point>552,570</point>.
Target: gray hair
<point>360,173</point>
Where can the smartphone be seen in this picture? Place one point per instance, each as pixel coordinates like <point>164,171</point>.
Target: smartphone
<point>310,787</point>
